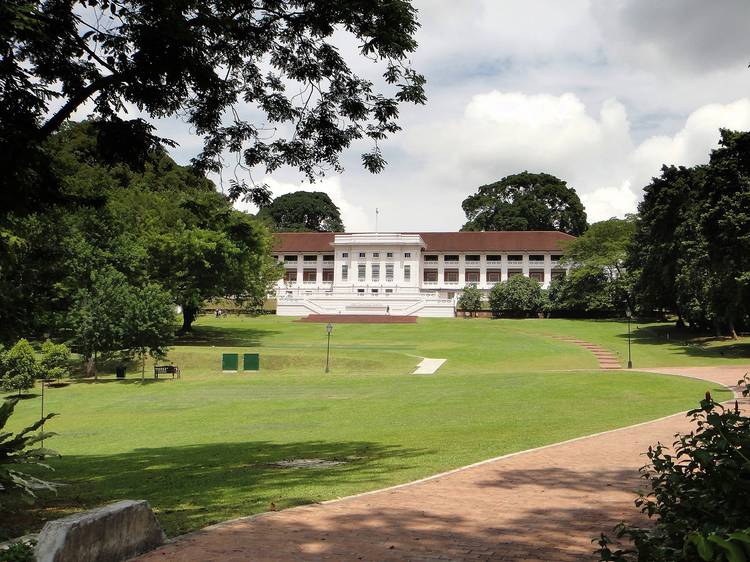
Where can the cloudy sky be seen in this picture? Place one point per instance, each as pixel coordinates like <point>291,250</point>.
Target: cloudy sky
<point>597,92</point>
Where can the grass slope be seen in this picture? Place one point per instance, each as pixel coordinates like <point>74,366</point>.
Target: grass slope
<point>200,449</point>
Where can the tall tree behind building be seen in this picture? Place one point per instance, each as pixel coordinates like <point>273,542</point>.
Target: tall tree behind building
<point>303,211</point>
<point>525,201</point>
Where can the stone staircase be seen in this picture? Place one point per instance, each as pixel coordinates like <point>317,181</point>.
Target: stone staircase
<point>606,358</point>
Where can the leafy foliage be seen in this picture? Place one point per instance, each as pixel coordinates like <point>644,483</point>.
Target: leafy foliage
<point>19,367</point>
<point>165,224</point>
<point>699,493</point>
<point>17,451</point>
<point>692,247</point>
<point>112,315</point>
<point>55,360</point>
<point>149,323</point>
<point>525,201</point>
<point>201,59</point>
<point>304,211</point>
<point>20,551</point>
<point>598,280</point>
<point>471,299</point>
<point>518,295</point>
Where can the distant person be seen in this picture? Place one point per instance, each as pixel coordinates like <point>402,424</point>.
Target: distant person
<point>388,310</point>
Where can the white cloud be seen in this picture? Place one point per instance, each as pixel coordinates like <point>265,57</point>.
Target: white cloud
<point>600,93</point>
<point>502,133</point>
<point>608,202</point>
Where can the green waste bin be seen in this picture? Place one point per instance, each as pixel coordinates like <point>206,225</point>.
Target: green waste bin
<point>229,362</point>
<point>251,362</point>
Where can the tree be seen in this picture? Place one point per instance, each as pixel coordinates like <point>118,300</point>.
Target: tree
<point>149,323</point>
<point>19,367</point>
<point>470,300</point>
<point>516,296</point>
<point>304,211</point>
<point>230,259</point>
<point>97,317</point>
<point>725,223</point>
<point>164,224</point>
<point>692,244</point>
<point>525,201</point>
<point>55,360</point>
<point>200,59</point>
<point>597,259</point>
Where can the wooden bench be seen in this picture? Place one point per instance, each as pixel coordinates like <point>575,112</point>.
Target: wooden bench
<point>166,370</point>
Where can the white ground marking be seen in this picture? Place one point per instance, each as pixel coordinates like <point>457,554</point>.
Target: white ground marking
<point>428,366</point>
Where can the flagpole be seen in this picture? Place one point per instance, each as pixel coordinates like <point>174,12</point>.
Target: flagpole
<point>376,219</point>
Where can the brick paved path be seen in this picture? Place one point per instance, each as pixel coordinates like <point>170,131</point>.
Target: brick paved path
<point>544,504</point>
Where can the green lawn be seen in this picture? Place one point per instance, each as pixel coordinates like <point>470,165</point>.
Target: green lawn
<point>201,449</point>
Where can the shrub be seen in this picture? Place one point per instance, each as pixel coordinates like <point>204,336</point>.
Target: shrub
<point>699,493</point>
<point>18,552</point>
<point>518,295</point>
<point>470,299</point>
<point>19,367</point>
<point>55,360</point>
<point>15,451</point>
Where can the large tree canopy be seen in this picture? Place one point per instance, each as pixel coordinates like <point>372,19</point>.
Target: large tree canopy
<point>259,78</point>
<point>525,201</point>
<point>692,244</point>
<point>166,225</point>
<point>304,211</point>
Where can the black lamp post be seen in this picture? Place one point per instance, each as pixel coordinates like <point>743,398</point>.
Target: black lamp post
<point>329,329</point>
<point>44,379</point>
<point>628,313</point>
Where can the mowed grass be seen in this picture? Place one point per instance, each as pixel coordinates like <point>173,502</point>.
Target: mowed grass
<point>201,449</point>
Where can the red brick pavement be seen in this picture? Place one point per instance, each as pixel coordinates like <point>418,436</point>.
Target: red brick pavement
<point>545,504</point>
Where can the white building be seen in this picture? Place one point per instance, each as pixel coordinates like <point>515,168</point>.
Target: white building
<point>419,274</point>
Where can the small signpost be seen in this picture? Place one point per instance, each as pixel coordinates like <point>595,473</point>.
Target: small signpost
<point>251,362</point>
<point>230,362</point>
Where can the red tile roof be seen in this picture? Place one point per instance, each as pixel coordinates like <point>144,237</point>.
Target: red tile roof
<point>508,241</point>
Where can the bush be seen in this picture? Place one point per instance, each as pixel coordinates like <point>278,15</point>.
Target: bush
<point>55,360</point>
<point>470,299</point>
<point>519,295</point>
<point>18,552</point>
<point>19,367</point>
<point>699,494</point>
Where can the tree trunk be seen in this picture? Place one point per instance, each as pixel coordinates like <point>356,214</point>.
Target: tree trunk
<point>143,368</point>
<point>91,367</point>
<point>732,331</point>
<point>189,313</point>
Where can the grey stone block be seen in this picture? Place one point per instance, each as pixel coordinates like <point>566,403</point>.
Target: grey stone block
<point>111,533</point>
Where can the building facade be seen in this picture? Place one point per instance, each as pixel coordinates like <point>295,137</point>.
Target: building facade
<point>419,274</point>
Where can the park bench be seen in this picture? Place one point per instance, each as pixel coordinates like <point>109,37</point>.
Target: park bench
<point>166,370</point>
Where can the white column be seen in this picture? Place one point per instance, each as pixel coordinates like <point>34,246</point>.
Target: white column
<point>547,270</point>
<point>525,265</point>
<point>504,268</point>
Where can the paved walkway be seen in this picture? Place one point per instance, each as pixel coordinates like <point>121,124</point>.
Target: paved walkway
<point>545,504</point>
<point>428,366</point>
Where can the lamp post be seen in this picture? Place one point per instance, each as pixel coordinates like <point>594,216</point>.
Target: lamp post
<point>628,313</point>
<point>329,329</point>
<point>44,379</point>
